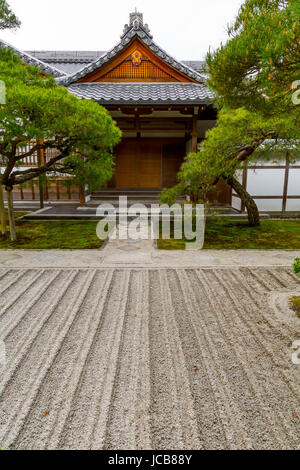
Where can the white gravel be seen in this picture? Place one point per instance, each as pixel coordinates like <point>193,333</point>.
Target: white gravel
<point>148,358</point>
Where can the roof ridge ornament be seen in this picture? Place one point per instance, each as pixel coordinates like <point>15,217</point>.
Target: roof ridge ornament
<point>142,33</point>
<point>136,23</point>
<point>136,17</point>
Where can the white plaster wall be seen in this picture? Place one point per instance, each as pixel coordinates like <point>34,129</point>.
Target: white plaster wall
<point>270,182</point>
<point>265,182</point>
<point>293,205</point>
<point>236,203</point>
<point>294,182</point>
<point>275,162</point>
<point>269,204</point>
<point>239,176</point>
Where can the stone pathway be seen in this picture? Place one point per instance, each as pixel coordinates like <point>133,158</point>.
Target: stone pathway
<point>128,251</point>
<point>145,258</point>
<point>142,252</point>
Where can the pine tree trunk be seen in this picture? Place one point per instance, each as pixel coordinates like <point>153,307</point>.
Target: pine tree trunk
<point>252,210</point>
<point>32,192</point>
<point>82,195</point>
<point>2,212</point>
<point>11,217</point>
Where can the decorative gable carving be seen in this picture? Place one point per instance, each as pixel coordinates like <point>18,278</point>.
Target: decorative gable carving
<point>136,58</point>
<point>140,68</point>
<point>136,63</point>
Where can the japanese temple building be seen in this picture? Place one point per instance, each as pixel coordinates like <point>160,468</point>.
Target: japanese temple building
<point>163,107</point>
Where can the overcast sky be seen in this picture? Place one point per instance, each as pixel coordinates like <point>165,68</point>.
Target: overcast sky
<point>184,28</point>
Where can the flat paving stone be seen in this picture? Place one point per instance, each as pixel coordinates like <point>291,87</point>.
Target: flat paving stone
<point>128,258</point>
<point>160,258</point>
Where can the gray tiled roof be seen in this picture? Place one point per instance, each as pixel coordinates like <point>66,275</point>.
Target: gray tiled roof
<point>31,60</point>
<point>71,62</point>
<point>143,93</point>
<point>67,56</point>
<point>136,29</point>
<point>197,65</point>
<point>67,61</point>
<point>68,68</point>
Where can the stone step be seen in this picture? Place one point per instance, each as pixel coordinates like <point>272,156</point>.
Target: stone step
<point>129,194</point>
<point>115,202</point>
<point>131,200</point>
<point>129,190</point>
<point>129,197</point>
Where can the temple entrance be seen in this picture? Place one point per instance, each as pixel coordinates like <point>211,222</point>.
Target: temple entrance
<point>147,163</point>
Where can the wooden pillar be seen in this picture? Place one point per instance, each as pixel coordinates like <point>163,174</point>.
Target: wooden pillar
<point>195,130</point>
<point>286,182</point>
<point>2,211</point>
<point>82,195</point>
<point>41,194</point>
<point>57,190</point>
<point>11,217</point>
<point>46,192</point>
<point>32,191</point>
<point>45,187</point>
<point>244,183</point>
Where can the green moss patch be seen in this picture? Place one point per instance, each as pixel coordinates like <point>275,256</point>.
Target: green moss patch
<point>295,304</point>
<point>63,234</point>
<point>223,233</point>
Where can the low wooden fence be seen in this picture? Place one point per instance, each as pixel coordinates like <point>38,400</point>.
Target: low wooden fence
<point>32,160</point>
<point>59,189</point>
<point>54,189</point>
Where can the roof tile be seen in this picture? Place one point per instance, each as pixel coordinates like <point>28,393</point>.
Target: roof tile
<point>150,93</point>
<point>31,60</point>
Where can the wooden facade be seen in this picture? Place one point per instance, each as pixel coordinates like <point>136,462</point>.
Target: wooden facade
<point>147,163</point>
<point>136,63</point>
<point>155,138</point>
<point>153,147</point>
<point>148,157</point>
